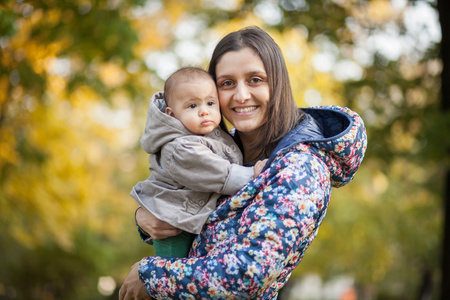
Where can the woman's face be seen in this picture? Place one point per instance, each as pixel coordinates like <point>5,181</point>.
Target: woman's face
<point>243,90</point>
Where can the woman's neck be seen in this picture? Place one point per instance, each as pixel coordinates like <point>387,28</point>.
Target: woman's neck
<point>248,140</point>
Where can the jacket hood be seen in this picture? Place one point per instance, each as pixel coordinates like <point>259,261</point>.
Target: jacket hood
<point>160,128</point>
<point>338,137</point>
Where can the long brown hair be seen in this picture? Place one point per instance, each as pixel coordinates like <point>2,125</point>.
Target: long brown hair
<point>282,113</point>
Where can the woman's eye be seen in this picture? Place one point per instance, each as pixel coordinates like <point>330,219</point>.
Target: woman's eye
<point>226,83</point>
<point>255,80</point>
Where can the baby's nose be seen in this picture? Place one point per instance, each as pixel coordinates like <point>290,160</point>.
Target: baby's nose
<point>204,112</point>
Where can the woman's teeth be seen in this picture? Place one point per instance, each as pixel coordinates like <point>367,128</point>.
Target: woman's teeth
<point>245,109</point>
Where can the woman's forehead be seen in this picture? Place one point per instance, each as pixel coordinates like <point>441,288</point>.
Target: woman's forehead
<point>241,61</point>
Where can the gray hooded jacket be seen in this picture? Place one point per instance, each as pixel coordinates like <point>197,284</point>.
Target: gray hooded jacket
<point>188,172</point>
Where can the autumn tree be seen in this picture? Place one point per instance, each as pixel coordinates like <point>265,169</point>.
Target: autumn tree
<point>444,10</point>
<point>68,70</point>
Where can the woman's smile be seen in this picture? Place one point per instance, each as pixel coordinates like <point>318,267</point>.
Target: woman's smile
<point>246,109</point>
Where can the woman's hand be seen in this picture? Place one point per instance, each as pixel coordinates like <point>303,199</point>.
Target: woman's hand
<point>132,288</point>
<point>156,228</point>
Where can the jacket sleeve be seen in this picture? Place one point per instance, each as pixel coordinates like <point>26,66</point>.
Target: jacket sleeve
<point>195,166</point>
<point>275,226</point>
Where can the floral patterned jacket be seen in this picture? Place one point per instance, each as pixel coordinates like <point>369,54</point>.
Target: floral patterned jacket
<point>251,243</point>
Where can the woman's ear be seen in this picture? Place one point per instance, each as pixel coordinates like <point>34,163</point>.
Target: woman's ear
<point>169,111</point>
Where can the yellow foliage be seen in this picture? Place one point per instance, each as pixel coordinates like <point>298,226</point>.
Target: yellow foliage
<point>416,97</point>
<point>150,34</point>
<point>155,28</point>
<point>374,11</point>
<point>176,9</point>
<point>4,83</point>
<point>298,54</point>
<point>246,19</point>
<point>6,58</point>
<point>401,139</point>
<point>72,186</point>
<point>380,183</point>
<point>7,147</point>
<point>380,10</point>
<point>112,74</point>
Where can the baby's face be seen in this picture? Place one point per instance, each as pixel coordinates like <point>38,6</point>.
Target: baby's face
<point>196,105</point>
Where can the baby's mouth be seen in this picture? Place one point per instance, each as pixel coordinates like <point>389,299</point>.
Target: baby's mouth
<point>207,122</point>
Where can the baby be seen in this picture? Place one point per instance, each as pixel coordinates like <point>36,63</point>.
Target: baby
<point>192,161</point>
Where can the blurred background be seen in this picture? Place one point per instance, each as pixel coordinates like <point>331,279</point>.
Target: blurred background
<point>75,80</point>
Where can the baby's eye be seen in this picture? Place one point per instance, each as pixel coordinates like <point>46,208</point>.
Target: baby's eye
<point>210,103</point>
<point>192,105</point>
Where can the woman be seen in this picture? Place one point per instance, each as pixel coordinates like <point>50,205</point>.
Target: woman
<point>254,239</point>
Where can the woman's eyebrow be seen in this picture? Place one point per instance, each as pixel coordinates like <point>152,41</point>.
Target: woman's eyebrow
<point>223,76</point>
<point>246,74</point>
<point>257,72</point>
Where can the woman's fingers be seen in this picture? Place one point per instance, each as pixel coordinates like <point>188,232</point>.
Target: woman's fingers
<point>132,288</point>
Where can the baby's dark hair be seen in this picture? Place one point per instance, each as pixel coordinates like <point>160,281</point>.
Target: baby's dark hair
<point>182,75</point>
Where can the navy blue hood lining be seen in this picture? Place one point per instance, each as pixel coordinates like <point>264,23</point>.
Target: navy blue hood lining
<point>317,125</point>
<point>333,124</point>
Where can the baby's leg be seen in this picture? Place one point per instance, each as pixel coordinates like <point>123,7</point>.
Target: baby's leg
<point>175,246</point>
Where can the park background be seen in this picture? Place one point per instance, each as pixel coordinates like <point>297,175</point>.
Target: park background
<point>75,80</point>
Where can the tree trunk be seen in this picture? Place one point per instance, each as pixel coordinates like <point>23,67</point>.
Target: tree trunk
<point>443,7</point>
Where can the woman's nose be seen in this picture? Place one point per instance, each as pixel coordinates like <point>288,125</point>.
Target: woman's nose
<point>242,93</point>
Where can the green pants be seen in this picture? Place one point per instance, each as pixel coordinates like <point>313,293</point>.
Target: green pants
<point>175,246</point>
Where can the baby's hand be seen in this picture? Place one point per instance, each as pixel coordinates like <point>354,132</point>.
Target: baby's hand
<point>258,167</point>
